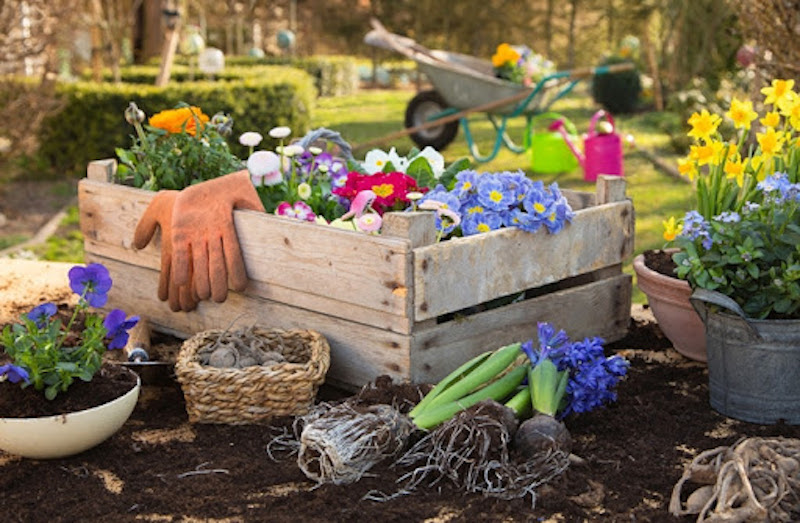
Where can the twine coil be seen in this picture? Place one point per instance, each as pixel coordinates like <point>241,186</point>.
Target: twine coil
<point>255,394</point>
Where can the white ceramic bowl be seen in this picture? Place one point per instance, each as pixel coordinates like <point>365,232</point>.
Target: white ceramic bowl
<point>66,434</point>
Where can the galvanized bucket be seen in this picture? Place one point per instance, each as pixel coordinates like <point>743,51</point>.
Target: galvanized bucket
<point>753,365</point>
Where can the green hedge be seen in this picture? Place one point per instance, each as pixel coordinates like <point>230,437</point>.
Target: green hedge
<point>91,124</point>
<point>333,75</point>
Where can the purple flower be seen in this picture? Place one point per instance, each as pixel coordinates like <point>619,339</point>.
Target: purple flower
<point>13,373</point>
<point>41,314</point>
<point>695,226</point>
<point>592,376</point>
<point>92,283</point>
<point>117,328</point>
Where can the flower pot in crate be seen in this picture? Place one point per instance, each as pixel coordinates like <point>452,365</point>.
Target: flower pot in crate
<point>753,365</point>
<point>399,303</point>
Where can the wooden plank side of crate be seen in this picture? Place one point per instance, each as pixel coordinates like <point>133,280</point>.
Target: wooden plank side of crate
<point>359,352</point>
<point>459,273</point>
<point>601,308</point>
<point>352,273</point>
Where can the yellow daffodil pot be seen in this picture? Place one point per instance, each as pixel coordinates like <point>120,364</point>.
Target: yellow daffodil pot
<point>753,365</point>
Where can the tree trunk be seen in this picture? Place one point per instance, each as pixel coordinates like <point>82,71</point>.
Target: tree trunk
<point>548,29</point>
<point>573,15</point>
<point>171,36</point>
<point>652,64</point>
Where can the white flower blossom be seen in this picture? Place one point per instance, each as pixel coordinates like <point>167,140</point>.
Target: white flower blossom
<point>280,132</point>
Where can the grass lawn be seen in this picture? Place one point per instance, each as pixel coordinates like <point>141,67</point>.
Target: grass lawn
<point>655,194</point>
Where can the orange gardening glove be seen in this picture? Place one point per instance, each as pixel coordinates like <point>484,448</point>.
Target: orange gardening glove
<point>204,238</point>
<point>159,214</point>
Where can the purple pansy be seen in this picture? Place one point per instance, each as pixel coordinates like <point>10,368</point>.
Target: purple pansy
<point>117,327</point>
<point>91,282</point>
<point>41,314</point>
<point>13,373</point>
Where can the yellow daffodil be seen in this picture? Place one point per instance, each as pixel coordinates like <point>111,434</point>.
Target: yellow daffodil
<point>741,113</point>
<point>771,141</point>
<point>707,153</point>
<point>671,229</point>
<point>735,169</point>
<point>771,119</point>
<point>687,167</point>
<point>756,163</point>
<point>703,125</point>
<point>504,54</point>
<point>780,93</point>
<point>794,114</point>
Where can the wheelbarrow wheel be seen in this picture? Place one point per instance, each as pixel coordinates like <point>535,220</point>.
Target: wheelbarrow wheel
<point>421,108</point>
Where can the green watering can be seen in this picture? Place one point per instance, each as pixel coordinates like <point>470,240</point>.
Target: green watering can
<point>549,152</point>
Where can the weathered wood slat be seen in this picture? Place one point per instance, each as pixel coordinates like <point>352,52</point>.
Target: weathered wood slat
<point>461,272</point>
<point>369,272</point>
<point>596,309</point>
<point>359,352</point>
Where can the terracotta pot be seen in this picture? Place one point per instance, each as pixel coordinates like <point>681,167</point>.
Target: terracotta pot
<point>669,299</point>
<point>49,437</point>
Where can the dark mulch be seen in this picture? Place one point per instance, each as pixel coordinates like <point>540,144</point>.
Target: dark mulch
<point>660,261</point>
<point>160,468</point>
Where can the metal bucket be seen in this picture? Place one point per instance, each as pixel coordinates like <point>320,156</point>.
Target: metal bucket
<point>753,365</point>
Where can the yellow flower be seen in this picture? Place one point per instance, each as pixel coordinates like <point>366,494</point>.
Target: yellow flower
<point>504,54</point>
<point>756,162</point>
<point>735,169</point>
<point>794,114</point>
<point>706,154</point>
<point>771,119</point>
<point>780,93</point>
<point>771,141</point>
<point>741,113</point>
<point>687,167</point>
<point>172,120</point>
<point>703,125</point>
<point>671,229</point>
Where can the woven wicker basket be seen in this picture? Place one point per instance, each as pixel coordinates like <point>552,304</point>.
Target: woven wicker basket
<point>254,394</point>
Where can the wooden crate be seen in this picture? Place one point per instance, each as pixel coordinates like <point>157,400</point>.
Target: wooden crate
<point>397,303</point>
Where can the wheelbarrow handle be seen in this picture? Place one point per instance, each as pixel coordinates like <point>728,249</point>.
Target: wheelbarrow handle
<point>586,72</point>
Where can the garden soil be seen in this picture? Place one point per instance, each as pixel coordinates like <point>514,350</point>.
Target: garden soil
<point>159,467</point>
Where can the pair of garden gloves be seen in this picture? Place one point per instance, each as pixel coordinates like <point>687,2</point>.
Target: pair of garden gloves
<point>200,253</point>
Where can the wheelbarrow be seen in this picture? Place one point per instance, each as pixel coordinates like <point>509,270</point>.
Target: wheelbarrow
<point>464,85</point>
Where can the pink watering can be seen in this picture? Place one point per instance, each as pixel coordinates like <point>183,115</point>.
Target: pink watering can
<point>602,147</point>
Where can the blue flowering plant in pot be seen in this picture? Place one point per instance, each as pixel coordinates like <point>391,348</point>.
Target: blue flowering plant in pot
<point>740,252</point>
<point>744,268</point>
<point>43,413</point>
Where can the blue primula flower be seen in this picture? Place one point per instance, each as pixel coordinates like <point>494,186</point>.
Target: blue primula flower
<point>117,328</point>
<point>92,283</point>
<point>493,194</point>
<point>517,184</point>
<point>466,183</point>
<point>41,314</point>
<point>477,223</point>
